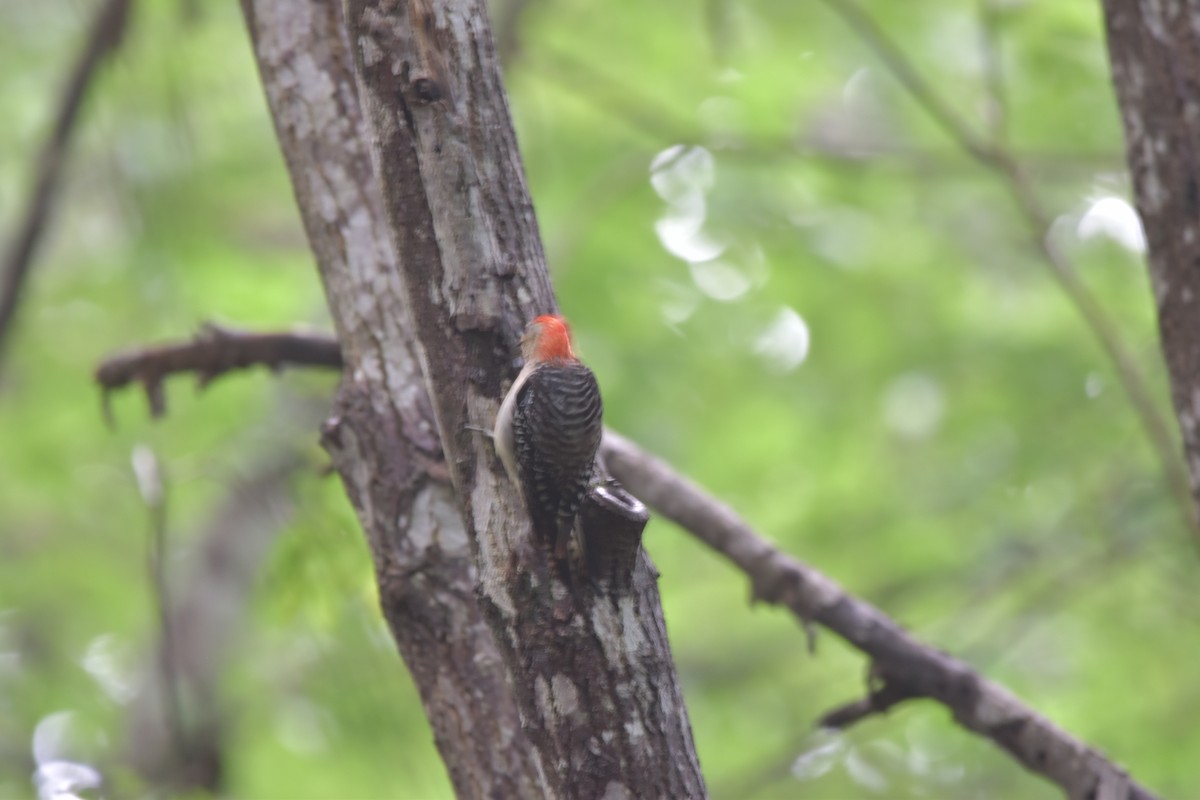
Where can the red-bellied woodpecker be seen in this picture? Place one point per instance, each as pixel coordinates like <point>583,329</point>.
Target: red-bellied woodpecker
<point>548,430</point>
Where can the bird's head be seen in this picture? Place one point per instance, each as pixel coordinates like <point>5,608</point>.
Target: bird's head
<point>547,338</point>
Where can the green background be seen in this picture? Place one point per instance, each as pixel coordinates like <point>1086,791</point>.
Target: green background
<point>874,366</point>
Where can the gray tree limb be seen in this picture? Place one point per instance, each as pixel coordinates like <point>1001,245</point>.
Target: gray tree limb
<point>902,667</point>
<point>213,352</point>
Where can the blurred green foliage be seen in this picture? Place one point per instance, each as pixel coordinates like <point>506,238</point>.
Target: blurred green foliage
<point>813,302</point>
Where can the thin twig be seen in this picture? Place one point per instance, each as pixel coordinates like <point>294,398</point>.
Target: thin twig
<point>105,36</point>
<point>1016,179</point>
<point>879,701</point>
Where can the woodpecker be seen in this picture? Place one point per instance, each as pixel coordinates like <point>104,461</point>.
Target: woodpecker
<point>548,430</point>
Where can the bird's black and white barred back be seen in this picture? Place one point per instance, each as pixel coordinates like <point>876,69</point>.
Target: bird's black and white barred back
<point>557,425</point>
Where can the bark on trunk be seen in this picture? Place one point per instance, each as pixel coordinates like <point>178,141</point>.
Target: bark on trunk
<point>592,670</point>
<point>593,707</point>
<point>1154,47</point>
<point>382,436</point>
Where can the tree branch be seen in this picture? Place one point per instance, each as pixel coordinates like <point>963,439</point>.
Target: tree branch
<point>104,37</point>
<point>900,662</point>
<point>214,351</point>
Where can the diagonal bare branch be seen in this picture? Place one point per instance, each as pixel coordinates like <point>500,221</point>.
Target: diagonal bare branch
<point>901,665</point>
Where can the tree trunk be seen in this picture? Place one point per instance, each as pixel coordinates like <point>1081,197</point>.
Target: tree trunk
<point>382,436</point>
<point>441,268</point>
<point>1154,47</point>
